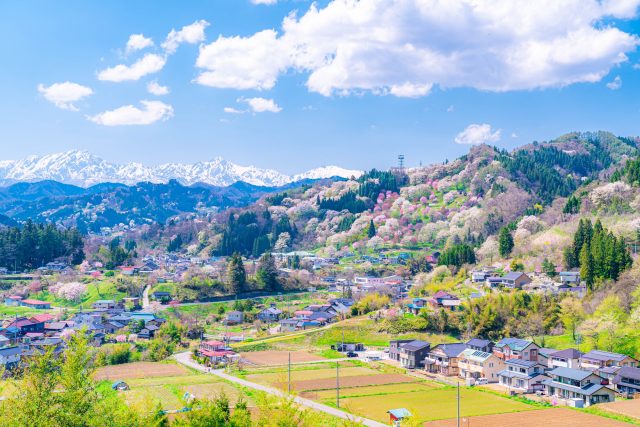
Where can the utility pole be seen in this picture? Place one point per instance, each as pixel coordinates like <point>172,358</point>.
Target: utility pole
<point>338,384</point>
<point>289,373</point>
<point>458,404</point>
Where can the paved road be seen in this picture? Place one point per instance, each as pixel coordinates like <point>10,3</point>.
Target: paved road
<point>185,359</point>
<point>145,296</point>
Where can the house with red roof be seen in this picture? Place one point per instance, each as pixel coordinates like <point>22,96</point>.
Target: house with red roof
<point>37,304</point>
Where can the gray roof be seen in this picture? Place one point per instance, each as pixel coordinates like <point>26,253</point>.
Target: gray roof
<point>10,351</point>
<point>600,355</point>
<point>514,374</point>
<point>521,363</point>
<point>588,390</point>
<point>513,275</point>
<point>415,345</point>
<point>627,372</point>
<point>569,353</point>
<point>574,374</point>
<point>452,350</point>
<point>478,342</point>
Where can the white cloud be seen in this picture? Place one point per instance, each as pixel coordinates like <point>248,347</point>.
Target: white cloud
<point>151,112</point>
<point>477,134</point>
<point>243,62</point>
<point>231,110</point>
<point>148,64</point>
<point>615,84</point>
<point>63,95</point>
<point>514,135</point>
<point>138,42</point>
<point>192,34</point>
<point>261,105</point>
<point>157,89</point>
<point>451,109</point>
<point>636,66</point>
<point>406,47</point>
<point>269,2</point>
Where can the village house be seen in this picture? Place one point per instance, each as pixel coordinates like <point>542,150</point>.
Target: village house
<point>215,352</point>
<point>104,304</point>
<point>516,348</point>
<point>513,280</point>
<point>412,354</point>
<point>523,376</point>
<point>442,299</point>
<point>394,349</point>
<point>34,303</point>
<point>571,278</point>
<point>270,314</point>
<point>443,359</point>
<point>585,386</point>
<point>234,317</point>
<point>480,344</point>
<point>10,357</point>
<point>25,325</point>
<point>12,300</point>
<point>569,358</point>
<point>474,364</point>
<point>627,381</point>
<point>416,305</point>
<point>596,359</point>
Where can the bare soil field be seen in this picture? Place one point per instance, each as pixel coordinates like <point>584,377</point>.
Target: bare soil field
<point>352,381</point>
<point>139,370</point>
<point>550,417</point>
<point>630,408</point>
<point>274,357</point>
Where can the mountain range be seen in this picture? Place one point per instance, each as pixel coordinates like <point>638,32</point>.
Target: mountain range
<point>84,169</point>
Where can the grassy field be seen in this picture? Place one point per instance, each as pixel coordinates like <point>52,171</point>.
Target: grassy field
<point>430,404</point>
<point>10,311</point>
<point>98,290</point>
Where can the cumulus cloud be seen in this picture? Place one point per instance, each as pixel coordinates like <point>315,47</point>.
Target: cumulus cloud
<point>406,47</point>
<point>191,34</point>
<point>148,64</point>
<point>63,95</point>
<point>157,89</point>
<point>261,105</point>
<point>151,112</point>
<point>477,134</point>
<point>615,84</point>
<point>138,42</point>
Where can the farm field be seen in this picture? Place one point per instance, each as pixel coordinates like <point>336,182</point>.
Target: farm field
<point>551,417</point>
<point>311,374</point>
<point>432,404</point>
<point>369,390</point>
<point>275,357</point>
<point>140,370</point>
<point>629,408</point>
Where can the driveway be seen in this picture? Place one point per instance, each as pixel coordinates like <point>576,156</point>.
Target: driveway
<point>185,359</point>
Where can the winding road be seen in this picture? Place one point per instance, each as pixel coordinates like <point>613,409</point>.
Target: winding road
<point>185,359</point>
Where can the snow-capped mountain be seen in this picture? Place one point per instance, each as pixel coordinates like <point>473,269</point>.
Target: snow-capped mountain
<point>85,169</point>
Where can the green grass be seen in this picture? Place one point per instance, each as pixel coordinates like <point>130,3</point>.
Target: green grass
<point>99,290</point>
<point>11,311</point>
<point>432,404</point>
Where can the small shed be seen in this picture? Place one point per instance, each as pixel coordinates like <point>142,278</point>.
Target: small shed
<point>397,415</point>
<point>120,385</point>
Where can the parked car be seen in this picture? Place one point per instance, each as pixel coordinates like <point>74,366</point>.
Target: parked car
<point>482,381</point>
<point>352,354</point>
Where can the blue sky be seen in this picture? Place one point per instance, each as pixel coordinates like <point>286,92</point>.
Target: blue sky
<point>344,83</point>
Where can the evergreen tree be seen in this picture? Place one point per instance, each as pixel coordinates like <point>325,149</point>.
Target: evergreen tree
<point>371,231</point>
<point>236,274</point>
<point>549,268</point>
<point>505,242</point>
<point>586,265</point>
<point>267,274</point>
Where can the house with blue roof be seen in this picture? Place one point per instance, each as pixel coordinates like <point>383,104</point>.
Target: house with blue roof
<point>579,387</point>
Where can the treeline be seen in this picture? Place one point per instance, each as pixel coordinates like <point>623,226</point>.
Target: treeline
<point>348,201</point>
<point>630,172</point>
<point>34,245</point>
<point>252,234</point>
<point>457,255</point>
<point>597,252</point>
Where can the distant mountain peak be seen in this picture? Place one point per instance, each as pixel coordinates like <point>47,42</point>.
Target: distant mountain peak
<point>83,168</point>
